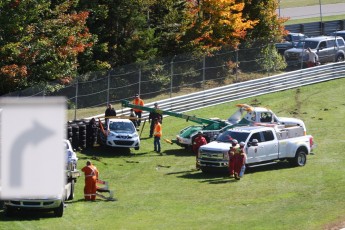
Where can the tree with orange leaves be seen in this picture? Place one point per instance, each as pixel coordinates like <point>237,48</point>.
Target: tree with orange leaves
<point>214,24</point>
<point>40,41</point>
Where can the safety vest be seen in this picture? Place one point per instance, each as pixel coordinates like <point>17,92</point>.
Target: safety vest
<point>157,130</point>
<point>138,101</point>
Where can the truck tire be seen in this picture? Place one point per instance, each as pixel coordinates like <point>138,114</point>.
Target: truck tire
<point>71,195</point>
<point>58,212</point>
<point>300,158</point>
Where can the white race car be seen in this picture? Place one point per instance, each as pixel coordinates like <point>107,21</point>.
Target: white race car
<point>120,133</point>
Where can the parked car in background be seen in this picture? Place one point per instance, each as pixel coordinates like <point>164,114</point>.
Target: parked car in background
<point>289,41</point>
<point>340,33</point>
<point>328,49</point>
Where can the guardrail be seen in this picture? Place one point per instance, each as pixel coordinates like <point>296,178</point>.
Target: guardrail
<point>248,89</point>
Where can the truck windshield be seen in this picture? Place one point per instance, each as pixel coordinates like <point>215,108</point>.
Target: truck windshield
<point>307,44</point>
<point>229,135</point>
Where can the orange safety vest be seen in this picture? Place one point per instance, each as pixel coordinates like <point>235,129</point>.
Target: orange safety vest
<point>158,130</point>
<point>138,101</point>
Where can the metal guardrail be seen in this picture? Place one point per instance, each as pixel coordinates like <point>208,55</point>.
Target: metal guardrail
<point>248,89</point>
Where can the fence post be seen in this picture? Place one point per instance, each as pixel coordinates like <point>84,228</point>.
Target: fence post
<point>203,72</point>
<point>76,101</point>
<point>139,81</point>
<point>236,66</point>
<point>108,89</point>
<point>171,75</point>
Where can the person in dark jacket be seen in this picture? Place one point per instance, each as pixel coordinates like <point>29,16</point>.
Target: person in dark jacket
<point>109,112</point>
<point>152,116</point>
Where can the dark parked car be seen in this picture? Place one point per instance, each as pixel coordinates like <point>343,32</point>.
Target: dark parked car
<point>289,41</point>
<point>340,33</point>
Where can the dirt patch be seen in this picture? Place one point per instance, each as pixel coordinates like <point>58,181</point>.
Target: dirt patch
<point>335,226</point>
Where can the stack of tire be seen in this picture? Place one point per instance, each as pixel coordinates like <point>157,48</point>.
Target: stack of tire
<point>82,134</point>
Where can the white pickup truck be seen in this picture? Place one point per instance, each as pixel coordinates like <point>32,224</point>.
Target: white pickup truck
<point>55,204</point>
<point>263,144</point>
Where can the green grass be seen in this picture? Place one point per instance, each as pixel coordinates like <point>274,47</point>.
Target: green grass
<point>165,192</point>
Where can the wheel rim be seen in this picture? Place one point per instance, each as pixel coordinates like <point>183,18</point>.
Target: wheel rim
<point>301,159</point>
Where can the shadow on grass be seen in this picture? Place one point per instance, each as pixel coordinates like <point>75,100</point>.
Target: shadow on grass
<point>178,152</point>
<point>222,176</point>
<point>27,215</point>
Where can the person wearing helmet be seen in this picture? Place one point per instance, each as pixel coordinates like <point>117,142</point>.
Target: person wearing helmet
<point>233,149</point>
<point>198,141</point>
<point>240,159</point>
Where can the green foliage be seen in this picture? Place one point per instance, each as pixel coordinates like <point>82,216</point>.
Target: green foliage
<point>40,42</point>
<point>270,60</point>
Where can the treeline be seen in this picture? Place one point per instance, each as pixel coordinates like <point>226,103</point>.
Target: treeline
<point>57,40</point>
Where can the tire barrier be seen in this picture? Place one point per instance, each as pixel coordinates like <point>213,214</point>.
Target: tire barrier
<point>82,134</point>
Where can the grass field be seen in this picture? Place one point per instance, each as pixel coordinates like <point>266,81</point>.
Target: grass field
<point>165,192</point>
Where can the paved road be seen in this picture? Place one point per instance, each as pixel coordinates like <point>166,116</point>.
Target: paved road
<point>312,11</point>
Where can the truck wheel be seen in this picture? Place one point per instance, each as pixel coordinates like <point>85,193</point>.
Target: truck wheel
<point>300,158</point>
<point>71,195</point>
<point>58,212</point>
<point>136,148</point>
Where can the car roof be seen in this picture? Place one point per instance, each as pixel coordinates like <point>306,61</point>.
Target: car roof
<point>247,128</point>
<point>320,38</point>
<point>119,120</point>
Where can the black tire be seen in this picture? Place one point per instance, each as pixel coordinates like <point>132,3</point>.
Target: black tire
<point>300,158</point>
<point>71,196</point>
<point>339,58</point>
<point>136,148</point>
<point>58,212</point>
<point>8,211</point>
<point>205,169</point>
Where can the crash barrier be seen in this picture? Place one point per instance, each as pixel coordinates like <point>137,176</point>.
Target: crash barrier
<point>313,29</point>
<point>246,89</point>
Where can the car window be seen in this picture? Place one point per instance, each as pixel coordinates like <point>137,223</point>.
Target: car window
<point>266,117</point>
<point>323,45</point>
<point>307,44</point>
<point>268,135</point>
<point>255,136</point>
<point>330,43</point>
<point>340,42</point>
<point>121,126</point>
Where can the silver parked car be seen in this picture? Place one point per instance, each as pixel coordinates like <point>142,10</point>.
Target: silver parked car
<point>328,49</point>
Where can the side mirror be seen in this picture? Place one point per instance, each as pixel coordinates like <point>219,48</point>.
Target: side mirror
<point>254,142</point>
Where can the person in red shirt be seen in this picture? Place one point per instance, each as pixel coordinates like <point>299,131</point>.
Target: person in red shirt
<point>232,152</point>
<point>138,112</point>
<point>199,140</point>
<point>240,161</point>
<point>91,177</point>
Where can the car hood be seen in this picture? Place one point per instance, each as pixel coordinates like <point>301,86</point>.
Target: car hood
<point>215,145</point>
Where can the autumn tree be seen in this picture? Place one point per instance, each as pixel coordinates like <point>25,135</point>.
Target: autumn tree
<point>212,25</point>
<point>40,41</point>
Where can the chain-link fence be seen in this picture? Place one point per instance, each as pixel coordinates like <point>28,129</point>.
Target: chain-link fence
<point>158,79</point>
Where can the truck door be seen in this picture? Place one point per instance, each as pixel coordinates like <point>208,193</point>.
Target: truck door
<point>270,145</point>
<point>254,152</point>
<point>266,150</point>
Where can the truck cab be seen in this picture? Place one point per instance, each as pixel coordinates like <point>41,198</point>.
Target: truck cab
<point>263,144</point>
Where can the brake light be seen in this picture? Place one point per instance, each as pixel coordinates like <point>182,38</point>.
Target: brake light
<point>311,142</point>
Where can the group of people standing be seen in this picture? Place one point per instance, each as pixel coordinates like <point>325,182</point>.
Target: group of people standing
<point>236,153</point>
<point>237,160</point>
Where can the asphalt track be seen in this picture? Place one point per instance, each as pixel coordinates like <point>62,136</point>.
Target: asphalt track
<point>312,11</point>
